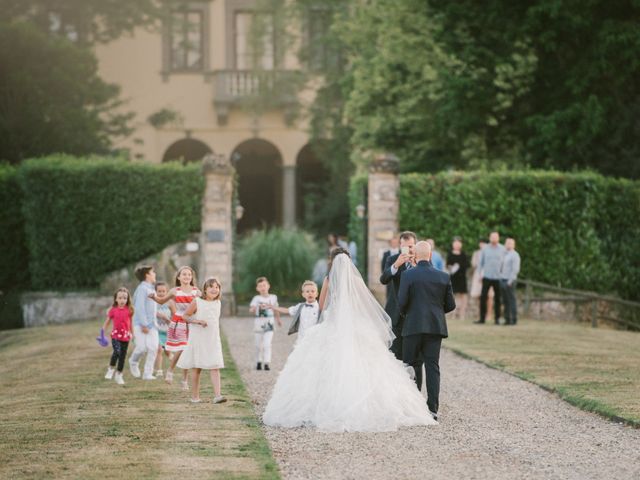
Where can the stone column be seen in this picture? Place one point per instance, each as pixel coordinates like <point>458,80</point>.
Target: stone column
<point>217,235</point>
<point>289,196</point>
<point>382,208</point>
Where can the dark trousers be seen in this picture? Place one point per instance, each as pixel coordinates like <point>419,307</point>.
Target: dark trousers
<point>396,346</point>
<point>425,348</point>
<point>488,283</point>
<point>510,302</point>
<point>119,353</point>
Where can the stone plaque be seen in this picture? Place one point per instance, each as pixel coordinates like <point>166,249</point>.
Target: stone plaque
<point>214,236</point>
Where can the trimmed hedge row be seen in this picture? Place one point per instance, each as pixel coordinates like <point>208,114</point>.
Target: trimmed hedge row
<point>357,226</point>
<point>578,230</point>
<point>13,258</point>
<point>87,217</point>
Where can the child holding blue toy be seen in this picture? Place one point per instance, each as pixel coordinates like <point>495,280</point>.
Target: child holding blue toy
<point>120,314</point>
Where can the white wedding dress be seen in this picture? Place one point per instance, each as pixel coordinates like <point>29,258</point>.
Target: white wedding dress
<point>341,375</point>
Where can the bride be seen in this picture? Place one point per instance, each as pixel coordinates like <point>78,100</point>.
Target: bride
<point>341,375</point>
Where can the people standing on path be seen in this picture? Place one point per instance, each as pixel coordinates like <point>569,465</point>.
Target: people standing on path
<point>457,265</point>
<point>424,298</point>
<point>396,265</point>
<point>144,324</point>
<point>184,292</point>
<point>204,349</point>
<point>490,263</point>
<point>341,377</point>
<point>120,314</point>
<point>262,307</point>
<point>508,279</point>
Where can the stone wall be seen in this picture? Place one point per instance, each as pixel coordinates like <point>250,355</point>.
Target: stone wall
<point>383,204</point>
<point>47,308</point>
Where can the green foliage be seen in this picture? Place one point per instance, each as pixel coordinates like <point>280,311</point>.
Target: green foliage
<point>86,217</point>
<point>52,98</point>
<point>572,230</point>
<point>165,116</point>
<point>86,21</point>
<point>285,257</point>
<point>13,261</point>
<point>477,84</point>
<point>358,226</point>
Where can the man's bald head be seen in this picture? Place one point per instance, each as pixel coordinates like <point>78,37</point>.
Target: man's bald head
<point>423,251</point>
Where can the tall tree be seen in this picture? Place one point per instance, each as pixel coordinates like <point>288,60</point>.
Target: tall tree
<point>51,97</point>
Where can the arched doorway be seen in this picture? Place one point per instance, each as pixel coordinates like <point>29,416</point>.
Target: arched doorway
<point>258,164</point>
<point>311,186</point>
<point>186,150</point>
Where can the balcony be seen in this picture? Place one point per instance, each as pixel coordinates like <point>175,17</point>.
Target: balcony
<point>265,89</point>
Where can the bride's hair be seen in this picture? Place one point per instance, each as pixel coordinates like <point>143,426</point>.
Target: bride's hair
<point>334,253</point>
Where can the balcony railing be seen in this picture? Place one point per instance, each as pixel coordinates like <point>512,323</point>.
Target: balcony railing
<point>275,88</point>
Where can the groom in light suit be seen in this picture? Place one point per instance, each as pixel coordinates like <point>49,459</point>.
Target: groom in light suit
<point>424,297</point>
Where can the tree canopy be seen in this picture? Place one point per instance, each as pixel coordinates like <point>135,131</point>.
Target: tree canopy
<point>51,97</point>
<point>547,83</point>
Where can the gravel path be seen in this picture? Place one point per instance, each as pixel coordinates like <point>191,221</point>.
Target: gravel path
<point>492,426</point>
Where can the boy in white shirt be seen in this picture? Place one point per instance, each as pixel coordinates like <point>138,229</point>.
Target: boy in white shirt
<point>262,306</point>
<point>306,313</point>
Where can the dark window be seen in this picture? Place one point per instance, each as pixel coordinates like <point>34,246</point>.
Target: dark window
<point>187,40</point>
<point>254,40</point>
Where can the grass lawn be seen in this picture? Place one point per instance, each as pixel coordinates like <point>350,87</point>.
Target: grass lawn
<point>596,369</point>
<point>61,419</point>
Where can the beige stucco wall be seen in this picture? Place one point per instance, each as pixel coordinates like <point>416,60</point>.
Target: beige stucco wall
<point>135,63</point>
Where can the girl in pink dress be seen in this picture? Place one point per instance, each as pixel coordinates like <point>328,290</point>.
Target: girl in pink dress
<point>178,333</point>
<point>120,314</point>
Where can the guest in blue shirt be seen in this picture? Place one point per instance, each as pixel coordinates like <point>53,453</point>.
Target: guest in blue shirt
<point>436,259</point>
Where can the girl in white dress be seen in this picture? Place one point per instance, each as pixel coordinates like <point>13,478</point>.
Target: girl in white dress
<point>341,375</point>
<point>204,348</point>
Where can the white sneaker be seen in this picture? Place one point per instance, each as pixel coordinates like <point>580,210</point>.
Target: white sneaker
<point>134,368</point>
<point>119,378</point>
<point>159,373</point>
<point>109,374</point>
<point>219,399</point>
<point>148,377</point>
<point>185,385</point>
<point>169,377</point>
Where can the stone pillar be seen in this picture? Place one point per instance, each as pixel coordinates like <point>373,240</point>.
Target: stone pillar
<point>217,235</point>
<point>289,196</point>
<point>382,208</point>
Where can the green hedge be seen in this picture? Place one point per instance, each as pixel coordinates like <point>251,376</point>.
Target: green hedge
<point>87,217</point>
<point>577,230</point>
<point>285,257</point>
<point>357,226</point>
<point>13,257</point>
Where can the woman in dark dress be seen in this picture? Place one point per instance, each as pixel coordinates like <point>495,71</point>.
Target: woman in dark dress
<point>457,265</point>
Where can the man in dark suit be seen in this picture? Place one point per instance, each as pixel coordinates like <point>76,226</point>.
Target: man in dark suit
<point>394,249</point>
<point>394,267</point>
<point>425,295</point>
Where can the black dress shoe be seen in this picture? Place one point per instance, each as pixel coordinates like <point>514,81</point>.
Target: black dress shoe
<point>266,366</point>
<point>479,322</point>
<point>259,366</point>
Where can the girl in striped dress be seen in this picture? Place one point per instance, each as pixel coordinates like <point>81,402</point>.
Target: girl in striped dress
<point>178,332</point>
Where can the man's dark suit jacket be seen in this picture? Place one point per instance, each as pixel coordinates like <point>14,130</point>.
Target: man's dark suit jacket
<point>424,296</point>
<point>391,307</point>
